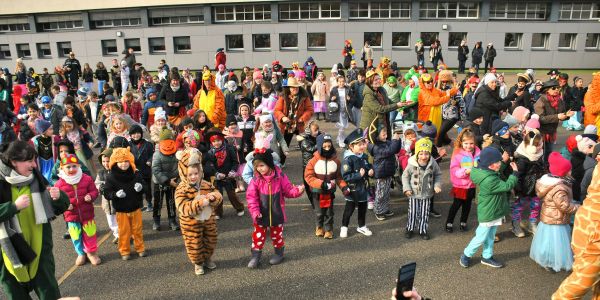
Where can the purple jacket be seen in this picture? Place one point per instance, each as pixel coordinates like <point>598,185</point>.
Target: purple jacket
<point>266,196</point>
<point>462,161</point>
<point>82,211</point>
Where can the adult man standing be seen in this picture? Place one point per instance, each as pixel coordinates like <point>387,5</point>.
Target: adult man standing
<point>72,71</point>
<point>463,53</point>
<point>130,60</point>
<point>26,209</point>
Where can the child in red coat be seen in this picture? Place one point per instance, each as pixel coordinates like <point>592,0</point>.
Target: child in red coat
<point>80,216</point>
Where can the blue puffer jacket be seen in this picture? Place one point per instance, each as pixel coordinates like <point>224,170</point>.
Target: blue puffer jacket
<point>384,157</point>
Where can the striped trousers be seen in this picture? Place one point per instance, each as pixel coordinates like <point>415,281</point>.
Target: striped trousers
<point>418,214</point>
<point>382,195</point>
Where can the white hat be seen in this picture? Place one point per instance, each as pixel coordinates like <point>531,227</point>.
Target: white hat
<point>489,77</point>
<point>160,114</point>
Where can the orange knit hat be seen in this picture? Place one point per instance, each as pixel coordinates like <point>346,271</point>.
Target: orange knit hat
<point>120,155</point>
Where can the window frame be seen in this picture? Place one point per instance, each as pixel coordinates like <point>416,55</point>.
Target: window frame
<point>494,12</point>
<point>316,48</point>
<point>427,42</point>
<point>464,35</point>
<point>127,46</point>
<point>176,45</point>
<point>151,49</point>
<point>40,51</point>
<point>407,40</point>
<point>236,10</point>
<point>546,41</point>
<point>519,39</point>
<point>20,53</point>
<point>372,41</point>
<point>597,36</point>
<point>16,27</point>
<point>592,11</point>
<point>439,7</point>
<point>61,49</point>
<point>281,47</point>
<point>113,21</point>
<point>47,26</point>
<point>227,42</point>
<point>572,41</point>
<point>5,48</point>
<point>297,8</point>
<point>103,46</point>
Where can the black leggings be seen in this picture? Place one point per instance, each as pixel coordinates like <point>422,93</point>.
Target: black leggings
<point>443,138</point>
<point>349,210</point>
<point>464,204</point>
<point>288,139</point>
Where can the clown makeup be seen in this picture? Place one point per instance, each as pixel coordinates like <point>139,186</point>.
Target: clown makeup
<point>70,169</point>
<point>193,175</point>
<point>63,151</point>
<point>136,136</point>
<point>105,161</point>
<point>262,168</point>
<point>161,123</point>
<point>123,165</point>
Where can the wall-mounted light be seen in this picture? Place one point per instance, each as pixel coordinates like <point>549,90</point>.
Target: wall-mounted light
<point>444,26</point>
<point>119,33</point>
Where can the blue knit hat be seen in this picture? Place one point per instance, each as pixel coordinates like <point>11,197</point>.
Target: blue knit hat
<point>41,126</point>
<point>488,156</point>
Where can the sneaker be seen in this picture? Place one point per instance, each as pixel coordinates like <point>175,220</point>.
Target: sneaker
<point>388,213</point>
<point>516,229</point>
<point>344,232</point>
<point>364,230</point>
<point>240,213</point>
<point>198,269</point>
<point>435,214</point>
<point>549,269</point>
<point>149,208</point>
<point>449,228</point>
<point>491,262</point>
<point>143,254</point>
<point>465,261</point>
<point>532,227</point>
<point>408,234</point>
<point>380,217</point>
<point>370,206</point>
<point>209,264</point>
<point>125,257</point>
<point>463,227</point>
<point>425,236</point>
<point>156,227</point>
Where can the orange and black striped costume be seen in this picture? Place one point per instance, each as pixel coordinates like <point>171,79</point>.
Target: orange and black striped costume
<point>199,237</point>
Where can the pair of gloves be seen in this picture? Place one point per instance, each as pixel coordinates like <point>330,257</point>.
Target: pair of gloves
<point>137,187</point>
<point>221,176</point>
<point>327,186</point>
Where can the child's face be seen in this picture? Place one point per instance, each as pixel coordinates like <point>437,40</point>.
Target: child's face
<point>382,135</point>
<point>327,146</point>
<point>423,156</point>
<point>314,131</point>
<point>267,125</point>
<point>265,90</point>
<point>341,82</point>
<point>468,145</point>
<point>506,135</point>
<point>123,165</point>
<point>217,143</point>
<point>136,136</point>
<point>513,129</point>
<point>161,122</point>
<point>201,118</point>
<point>152,97</point>
<point>63,151</point>
<point>119,126</point>
<point>94,99</point>
<point>495,166</point>
<point>579,83</point>
<point>478,121</point>
<point>262,168</point>
<point>258,81</point>
<point>23,101</point>
<point>410,136</point>
<point>49,132</point>
<point>244,111</point>
<point>105,161</point>
<point>48,105</point>
<point>70,169</point>
<point>193,175</point>
<point>188,127</point>
<point>359,147</point>
<point>321,77</point>
<point>68,126</point>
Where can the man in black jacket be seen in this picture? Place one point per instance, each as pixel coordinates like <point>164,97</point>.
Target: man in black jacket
<point>73,70</point>
<point>488,99</point>
<point>463,52</point>
<point>525,98</point>
<point>176,98</point>
<point>488,56</point>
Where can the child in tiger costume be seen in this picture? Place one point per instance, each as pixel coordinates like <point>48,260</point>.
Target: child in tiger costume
<point>196,201</point>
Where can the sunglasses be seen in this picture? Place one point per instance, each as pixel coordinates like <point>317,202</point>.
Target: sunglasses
<point>554,88</point>
<point>428,82</point>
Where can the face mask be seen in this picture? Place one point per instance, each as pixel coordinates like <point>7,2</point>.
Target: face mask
<point>175,88</point>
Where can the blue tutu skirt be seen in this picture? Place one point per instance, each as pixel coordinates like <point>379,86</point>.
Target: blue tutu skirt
<point>551,247</point>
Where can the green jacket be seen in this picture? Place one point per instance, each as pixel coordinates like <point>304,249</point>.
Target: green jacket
<point>493,194</point>
<point>371,108</point>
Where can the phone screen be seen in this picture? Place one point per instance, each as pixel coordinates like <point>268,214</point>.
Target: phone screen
<point>406,278</point>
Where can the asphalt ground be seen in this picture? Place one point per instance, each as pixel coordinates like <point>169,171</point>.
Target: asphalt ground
<point>357,267</point>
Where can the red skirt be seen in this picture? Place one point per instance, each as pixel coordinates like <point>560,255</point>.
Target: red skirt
<point>459,193</point>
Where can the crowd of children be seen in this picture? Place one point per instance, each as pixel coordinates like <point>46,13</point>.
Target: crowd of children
<point>193,141</point>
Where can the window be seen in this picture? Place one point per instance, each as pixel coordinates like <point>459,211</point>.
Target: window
<point>234,42</point>
<point>288,41</point>
<point>316,40</point>
<point>592,41</point>
<point>261,42</point>
<point>308,11</point>
<point>513,40</point>
<point>14,24</point>
<point>429,37</point>
<point>109,47</point>
<point>64,48</point>
<point>567,41</point>
<point>182,44</point>
<point>519,10</point>
<point>5,51</point>
<point>133,44</point>
<point>454,39</point>
<point>117,23</point>
<point>250,12</point>
<point>115,18</point>
<point>380,10</point>
<point>54,26</point>
<point>23,51</point>
<point>54,22</point>
<point>449,10</point>
<point>400,39</point>
<point>177,15</point>
<point>374,39</point>
<point>43,50</point>
<point>540,41</point>
<point>579,11</point>
<point>157,45</point>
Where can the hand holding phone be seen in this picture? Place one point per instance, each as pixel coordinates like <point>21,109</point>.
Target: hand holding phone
<point>406,278</point>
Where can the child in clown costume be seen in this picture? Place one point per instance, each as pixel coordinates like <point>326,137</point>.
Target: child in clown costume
<point>82,192</point>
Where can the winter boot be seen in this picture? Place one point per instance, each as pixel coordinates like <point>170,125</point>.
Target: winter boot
<point>94,258</point>
<point>255,260</point>
<point>156,224</point>
<point>173,224</point>
<point>516,229</point>
<point>278,257</point>
<point>532,227</point>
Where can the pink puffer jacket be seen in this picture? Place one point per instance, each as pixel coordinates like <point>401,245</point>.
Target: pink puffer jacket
<point>460,163</point>
<point>82,211</point>
<point>266,196</point>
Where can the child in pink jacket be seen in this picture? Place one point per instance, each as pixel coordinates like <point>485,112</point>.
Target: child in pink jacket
<point>82,193</point>
<point>266,195</point>
<point>464,158</point>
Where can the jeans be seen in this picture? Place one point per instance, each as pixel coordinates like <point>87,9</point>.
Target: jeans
<point>421,60</point>
<point>356,115</point>
<point>476,66</point>
<point>483,236</point>
<point>461,66</point>
<point>101,87</point>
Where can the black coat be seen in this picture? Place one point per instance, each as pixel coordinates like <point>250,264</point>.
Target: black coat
<point>490,104</point>
<point>168,95</point>
<point>477,55</point>
<point>577,101</point>
<point>463,52</point>
<point>357,184</point>
<point>123,180</point>
<point>528,168</point>
<point>577,160</point>
<point>101,74</point>
<point>143,153</point>
<point>209,163</point>
<point>490,53</point>
<point>384,157</point>
<point>231,101</point>
<point>523,100</point>
<point>308,146</point>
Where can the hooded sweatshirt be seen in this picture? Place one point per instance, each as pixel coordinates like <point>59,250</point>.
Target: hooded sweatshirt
<point>493,193</point>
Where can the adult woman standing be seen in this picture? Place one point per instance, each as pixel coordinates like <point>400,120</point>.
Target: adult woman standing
<point>376,106</point>
<point>367,55</point>
<point>420,51</point>
<point>489,101</point>
<point>26,207</point>
<point>551,109</point>
<point>293,110</point>
<point>476,56</point>
<point>489,55</point>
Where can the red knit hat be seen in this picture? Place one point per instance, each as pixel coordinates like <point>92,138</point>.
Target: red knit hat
<point>559,166</point>
<point>571,143</point>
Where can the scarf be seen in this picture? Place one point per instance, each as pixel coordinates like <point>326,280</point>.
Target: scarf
<point>220,154</point>
<point>553,100</point>
<point>522,150</point>
<point>71,179</point>
<point>12,242</point>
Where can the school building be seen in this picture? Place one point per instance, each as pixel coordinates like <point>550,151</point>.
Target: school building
<point>529,33</point>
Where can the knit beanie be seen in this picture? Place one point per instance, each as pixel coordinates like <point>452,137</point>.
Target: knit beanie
<point>489,156</point>
<point>429,130</point>
<point>165,134</point>
<point>475,114</point>
<point>423,144</point>
<point>584,144</point>
<point>257,75</point>
<point>533,123</point>
<point>264,155</point>
<point>571,143</point>
<point>41,126</point>
<point>489,77</point>
<point>559,166</point>
<point>160,114</point>
<point>590,129</point>
<point>69,159</point>
<point>83,91</point>
<point>120,155</point>
<point>510,120</point>
<point>520,113</point>
<point>119,142</point>
<point>445,75</point>
<point>499,127</point>
<point>135,128</point>
<point>230,120</point>
<point>107,152</point>
<point>392,79</point>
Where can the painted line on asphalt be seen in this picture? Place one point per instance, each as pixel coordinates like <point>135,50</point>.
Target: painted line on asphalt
<point>74,267</point>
